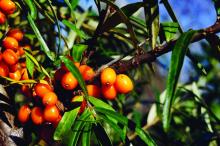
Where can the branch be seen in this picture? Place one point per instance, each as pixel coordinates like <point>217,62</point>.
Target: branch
<point>150,56</point>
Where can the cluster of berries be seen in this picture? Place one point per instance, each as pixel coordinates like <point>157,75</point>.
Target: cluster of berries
<point>10,64</point>
<point>7,7</point>
<point>39,114</point>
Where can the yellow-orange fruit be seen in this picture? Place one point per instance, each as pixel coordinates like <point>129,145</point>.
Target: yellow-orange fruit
<point>68,81</point>
<point>109,92</point>
<point>108,76</point>
<point>123,84</point>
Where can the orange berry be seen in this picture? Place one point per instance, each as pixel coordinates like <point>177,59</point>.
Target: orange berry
<point>10,57</point>
<point>37,115</point>
<point>24,74</point>
<point>2,18</point>
<point>49,98</point>
<point>51,113</point>
<point>16,33</point>
<point>4,71</point>
<point>55,123</point>
<point>10,43</point>
<point>108,76</point>
<point>20,51</point>
<point>109,92</point>
<point>87,72</point>
<point>7,6</point>
<point>15,67</point>
<point>25,89</point>
<point>23,64</point>
<point>41,89</point>
<point>93,90</point>
<point>83,104</point>
<point>59,74</point>
<point>15,75</point>
<point>24,113</point>
<point>123,84</point>
<point>68,81</point>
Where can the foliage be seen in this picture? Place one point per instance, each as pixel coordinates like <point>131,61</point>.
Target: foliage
<point>159,111</point>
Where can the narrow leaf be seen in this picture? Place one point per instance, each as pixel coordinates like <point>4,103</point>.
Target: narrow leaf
<point>32,7</point>
<point>74,3</point>
<point>30,65</point>
<point>176,64</point>
<point>169,29</point>
<point>86,135</point>
<point>77,52</point>
<point>74,70</point>
<point>130,124</point>
<point>80,33</point>
<point>40,38</point>
<point>65,124</point>
<point>101,135</point>
<point>99,103</point>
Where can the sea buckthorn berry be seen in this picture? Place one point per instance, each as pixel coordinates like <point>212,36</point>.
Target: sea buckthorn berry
<point>24,113</point>
<point>108,76</point>
<point>49,98</point>
<point>37,115</point>
<point>87,72</point>
<point>25,89</point>
<point>10,43</point>
<point>41,89</point>
<point>4,71</point>
<point>10,57</point>
<point>20,51</point>
<point>15,67</point>
<point>24,74</point>
<point>68,81</point>
<point>109,92</point>
<point>123,84</point>
<point>15,75</point>
<point>16,33</point>
<point>55,123</point>
<point>83,104</point>
<point>51,113</point>
<point>93,90</point>
<point>7,6</point>
<point>59,74</point>
<point>2,18</point>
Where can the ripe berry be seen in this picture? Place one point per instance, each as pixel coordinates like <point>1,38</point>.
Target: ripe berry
<point>7,6</point>
<point>37,115</point>
<point>68,81</point>
<point>93,90</point>
<point>15,67</point>
<point>15,75</point>
<point>87,72</point>
<point>24,114</point>
<point>109,92</point>
<point>51,113</point>
<point>108,76</point>
<point>2,18</point>
<point>55,123</point>
<point>49,98</point>
<point>4,69</point>
<point>10,57</point>
<point>25,89</point>
<point>83,104</point>
<point>123,84</point>
<point>16,33</point>
<point>10,43</point>
<point>41,89</point>
<point>24,74</point>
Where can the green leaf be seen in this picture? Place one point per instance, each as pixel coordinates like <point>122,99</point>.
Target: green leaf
<point>86,135</point>
<point>99,103</point>
<point>77,52</point>
<point>40,38</point>
<point>65,124</point>
<point>113,21</point>
<point>32,7</point>
<point>176,64</point>
<point>114,126</point>
<point>30,65</point>
<point>74,3</point>
<point>72,137</point>
<point>131,125</point>
<point>80,33</point>
<point>74,70</point>
<point>152,20</point>
<point>169,29</point>
<point>101,135</point>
